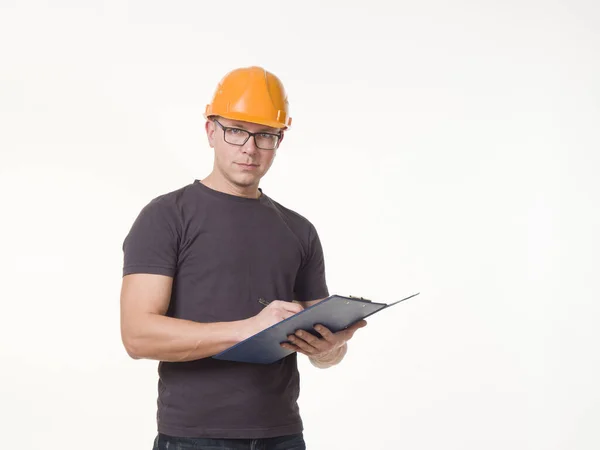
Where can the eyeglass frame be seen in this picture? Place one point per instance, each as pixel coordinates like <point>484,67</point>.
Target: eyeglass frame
<point>250,135</point>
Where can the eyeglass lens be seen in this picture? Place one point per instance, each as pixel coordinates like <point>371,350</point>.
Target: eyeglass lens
<point>237,136</point>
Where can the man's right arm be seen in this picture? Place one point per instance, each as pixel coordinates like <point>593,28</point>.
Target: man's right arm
<point>148,333</point>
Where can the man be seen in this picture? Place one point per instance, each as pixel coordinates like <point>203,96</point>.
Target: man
<point>196,263</point>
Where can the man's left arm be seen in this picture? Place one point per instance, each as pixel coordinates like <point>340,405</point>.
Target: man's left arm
<point>325,349</point>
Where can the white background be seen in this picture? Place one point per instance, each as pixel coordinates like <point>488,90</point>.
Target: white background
<point>450,148</point>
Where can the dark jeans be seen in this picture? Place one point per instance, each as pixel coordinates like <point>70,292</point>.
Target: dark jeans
<point>293,442</point>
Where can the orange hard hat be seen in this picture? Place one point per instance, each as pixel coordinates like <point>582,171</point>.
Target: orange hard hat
<point>251,94</point>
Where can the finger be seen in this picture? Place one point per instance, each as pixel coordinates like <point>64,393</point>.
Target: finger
<point>294,348</point>
<point>284,314</point>
<point>348,334</point>
<point>289,346</point>
<point>352,329</point>
<point>294,308</point>
<point>303,345</point>
<point>314,341</point>
<point>357,325</point>
<point>325,332</point>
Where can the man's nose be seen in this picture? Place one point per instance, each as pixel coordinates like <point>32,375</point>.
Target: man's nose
<point>250,146</point>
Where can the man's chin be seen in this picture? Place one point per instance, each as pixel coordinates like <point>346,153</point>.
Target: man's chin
<point>246,182</point>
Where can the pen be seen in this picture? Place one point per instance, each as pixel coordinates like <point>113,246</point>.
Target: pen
<point>262,301</point>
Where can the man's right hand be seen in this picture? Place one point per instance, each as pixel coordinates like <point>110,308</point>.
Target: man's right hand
<point>277,311</point>
<point>148,333</point>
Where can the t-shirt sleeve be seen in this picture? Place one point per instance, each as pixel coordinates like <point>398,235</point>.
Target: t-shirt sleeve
<point>311,283</point>
<point>151,246</point>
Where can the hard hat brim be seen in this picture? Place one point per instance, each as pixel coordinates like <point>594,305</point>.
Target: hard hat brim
<point>249,118</point>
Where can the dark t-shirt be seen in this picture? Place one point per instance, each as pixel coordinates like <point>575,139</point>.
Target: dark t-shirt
<point>224,253</point>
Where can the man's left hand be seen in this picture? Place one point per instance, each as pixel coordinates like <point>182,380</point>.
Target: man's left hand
<point>321,347</point>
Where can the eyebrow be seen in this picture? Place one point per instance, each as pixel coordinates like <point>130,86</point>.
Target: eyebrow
<point>261,130</point>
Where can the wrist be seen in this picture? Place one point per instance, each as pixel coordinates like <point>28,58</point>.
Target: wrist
<point>329,359</point>
<point>242,329</point>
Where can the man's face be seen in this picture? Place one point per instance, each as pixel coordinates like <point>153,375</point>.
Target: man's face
<point>243,165</point>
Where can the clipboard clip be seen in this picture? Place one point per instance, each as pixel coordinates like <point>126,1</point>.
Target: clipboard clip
<point>360,298</point>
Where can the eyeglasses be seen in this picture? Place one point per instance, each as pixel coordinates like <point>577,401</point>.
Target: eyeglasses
<point>237,136</point>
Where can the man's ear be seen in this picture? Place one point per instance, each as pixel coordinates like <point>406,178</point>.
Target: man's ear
<point>281,138</point>
<point>210,128</point>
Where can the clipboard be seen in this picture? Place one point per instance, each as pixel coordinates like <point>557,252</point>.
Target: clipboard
<point>336,312</point>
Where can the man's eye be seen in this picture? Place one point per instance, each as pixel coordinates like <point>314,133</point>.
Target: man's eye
<point>235,131</point>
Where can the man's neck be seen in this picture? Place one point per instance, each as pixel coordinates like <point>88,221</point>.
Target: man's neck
<point>220,184</point>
